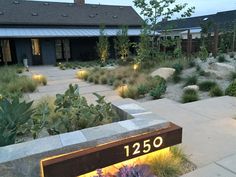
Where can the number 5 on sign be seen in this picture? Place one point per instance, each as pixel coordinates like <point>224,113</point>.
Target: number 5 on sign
<point>145,146</point>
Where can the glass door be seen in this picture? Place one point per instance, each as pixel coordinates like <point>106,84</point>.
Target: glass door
<point>62,49</point>
<point>36,52</point>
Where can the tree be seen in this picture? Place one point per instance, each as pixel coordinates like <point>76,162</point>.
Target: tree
<point>178,48</point>
<point>207,27</point>
<point>155,10</point>
<point>103,45</point>
<point>122,43</point>
<point>143,48</point>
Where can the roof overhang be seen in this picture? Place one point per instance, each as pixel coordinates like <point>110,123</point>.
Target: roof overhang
<point>192,31</point>
<point>8,32</point>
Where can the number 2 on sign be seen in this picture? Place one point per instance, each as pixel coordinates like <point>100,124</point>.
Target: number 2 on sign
<point>146,146</point>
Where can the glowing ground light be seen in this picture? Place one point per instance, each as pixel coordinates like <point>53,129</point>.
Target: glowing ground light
<point>135,67</point>
<point>81,74</point>
<point>37,77</point>
<point>122,89</point>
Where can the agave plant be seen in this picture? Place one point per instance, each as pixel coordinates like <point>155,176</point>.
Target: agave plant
<point>13,114</point>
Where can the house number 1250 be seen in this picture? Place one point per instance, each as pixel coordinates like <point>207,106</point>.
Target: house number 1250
<point>144,147</point>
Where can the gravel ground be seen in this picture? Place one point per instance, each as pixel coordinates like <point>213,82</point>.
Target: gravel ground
<point>175,91</point>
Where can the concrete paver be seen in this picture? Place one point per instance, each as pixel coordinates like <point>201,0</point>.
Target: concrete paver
<point>59,81</point>
<point>229,163</point>
<point>211,170</point>
<point>208,126</point>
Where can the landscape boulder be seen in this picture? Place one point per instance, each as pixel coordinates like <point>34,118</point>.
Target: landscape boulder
<point>165,73</point>
<point>192,87</point>
<point>220,70</point>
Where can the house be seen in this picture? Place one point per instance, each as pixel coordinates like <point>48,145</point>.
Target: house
<point>179,28</point>
<point>48,32</point>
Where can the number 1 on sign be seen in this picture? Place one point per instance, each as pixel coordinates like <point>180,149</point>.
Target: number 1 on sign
<point>127,151</point>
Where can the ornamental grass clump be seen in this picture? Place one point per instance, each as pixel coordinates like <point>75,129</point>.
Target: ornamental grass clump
<point>231,89</point>
<point>190,95</point>
<point>207,85</point>
<point>12,84</point>
<point>191,80</point>
<point>216,91</point>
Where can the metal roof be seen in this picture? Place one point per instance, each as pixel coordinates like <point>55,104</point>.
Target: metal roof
<point>196,30</point>
<point>60,32</point>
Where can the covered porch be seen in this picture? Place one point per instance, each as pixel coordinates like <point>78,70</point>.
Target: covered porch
<point>46,46</point>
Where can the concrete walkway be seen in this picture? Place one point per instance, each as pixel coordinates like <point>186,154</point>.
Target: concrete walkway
<point>209,133</point>
<point>59,80</point>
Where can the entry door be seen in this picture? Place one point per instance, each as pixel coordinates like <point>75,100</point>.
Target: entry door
<point>36,52</point>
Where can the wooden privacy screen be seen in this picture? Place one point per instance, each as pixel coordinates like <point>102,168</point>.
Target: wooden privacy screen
<point>84,161</point>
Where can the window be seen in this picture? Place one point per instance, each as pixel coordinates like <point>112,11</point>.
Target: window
<point>59,54</point>
<point>66,45</point>
<point>6,51</point>
<point>63,49</point>
<point>35,47</point>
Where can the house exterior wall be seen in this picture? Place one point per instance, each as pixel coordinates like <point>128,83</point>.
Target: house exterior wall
<point>48,51</point>
<point>83,49</point>
<point>23,47</point>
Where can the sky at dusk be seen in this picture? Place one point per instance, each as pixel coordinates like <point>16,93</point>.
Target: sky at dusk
<point>203,7</point>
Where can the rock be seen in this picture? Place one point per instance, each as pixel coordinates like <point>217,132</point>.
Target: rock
<point>192,87</point>
<point>165,73</point>
<point>220,70</point>
<point>222,66</point>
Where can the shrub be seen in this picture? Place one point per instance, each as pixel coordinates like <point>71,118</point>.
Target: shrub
<point>158,91</point>
<point>143,89</point>
<point>91,78</point>
<point>176,78</point>
<point>155,81</point>
<point>165,165</point>
<point>19,70</point>
<point>207,85</point>
<point>103,80</point>
<point>190,95</point>
<point>191,80</point>
<point>221,59</point>
<point>12,85</point>
<point>192,64</point>
<point>131,92</point>
<point>232,76</point>
<point>117,83</point>
<point>111,80</point>
<point>178,68</point>
<point>134,171</point>
<point>76,113</point>
<point>231,89</point>
<point>231,55</point>
<point>203,53</point>
<point>216,91</point>
<point>198,68</point>
<point>96,80</point>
